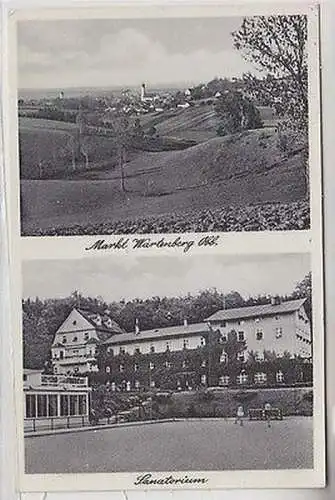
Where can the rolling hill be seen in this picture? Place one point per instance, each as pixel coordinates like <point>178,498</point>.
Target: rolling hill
<point>238,170</point>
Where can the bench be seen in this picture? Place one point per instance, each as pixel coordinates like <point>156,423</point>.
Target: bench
<point>261,414</point>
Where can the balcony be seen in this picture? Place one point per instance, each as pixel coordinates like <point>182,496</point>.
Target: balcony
<point>56,380</point>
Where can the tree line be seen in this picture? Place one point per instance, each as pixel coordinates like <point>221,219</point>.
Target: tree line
<point>42,317</point>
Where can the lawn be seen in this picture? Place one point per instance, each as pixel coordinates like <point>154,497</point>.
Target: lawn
<point>176,446</point>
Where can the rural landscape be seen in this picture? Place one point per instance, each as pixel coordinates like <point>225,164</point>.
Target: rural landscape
<point>229,153</point>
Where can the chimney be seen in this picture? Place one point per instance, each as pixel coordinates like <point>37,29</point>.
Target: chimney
<point>137,327</point>
<point>273,301</point>
<point>185,322</point>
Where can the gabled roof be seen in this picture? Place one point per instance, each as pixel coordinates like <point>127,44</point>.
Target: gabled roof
<point>106,323</point>
<point>165,332</point>
<point>255,311</point>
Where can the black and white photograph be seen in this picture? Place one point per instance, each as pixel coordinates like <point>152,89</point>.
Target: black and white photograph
<point>165,124</point>
<point>206,367</point>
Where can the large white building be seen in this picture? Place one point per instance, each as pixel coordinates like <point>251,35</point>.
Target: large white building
<point>279,326</point>
<point>74,347</point>
<point>276,327</point>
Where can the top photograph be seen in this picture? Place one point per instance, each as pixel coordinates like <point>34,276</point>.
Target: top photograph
<point>164,125</point>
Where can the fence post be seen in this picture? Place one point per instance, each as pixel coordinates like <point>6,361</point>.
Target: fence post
<point>34,425</point>
<point>68,422</point>
<point>52,424</point>
<point>82,421</point>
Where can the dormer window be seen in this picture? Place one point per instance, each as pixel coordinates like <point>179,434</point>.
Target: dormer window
<point>86,336</point>
<point>74,322</point>
<point>64,339</point>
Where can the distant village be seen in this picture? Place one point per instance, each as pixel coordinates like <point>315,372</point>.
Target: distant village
<point>134,101</point>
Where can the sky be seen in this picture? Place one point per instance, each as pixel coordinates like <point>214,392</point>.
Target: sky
<point>126,52</point>
<point>116,278</point>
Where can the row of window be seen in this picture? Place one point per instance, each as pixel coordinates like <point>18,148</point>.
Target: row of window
<point>152,366</point>
<point>152,348</point>
<point>224,324</point>
<point>75,338</point>
<point>259,335</point>
<point>243,378</point>
<point>55,405</point>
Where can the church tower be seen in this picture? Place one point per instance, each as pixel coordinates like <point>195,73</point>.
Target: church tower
<point>143,92</point>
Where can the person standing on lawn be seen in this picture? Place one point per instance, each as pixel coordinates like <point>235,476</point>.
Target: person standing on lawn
<point>267,413</point>
<point>239,415</point>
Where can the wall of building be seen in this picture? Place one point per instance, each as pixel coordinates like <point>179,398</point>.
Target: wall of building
<point>159,345</point>
<point>278,333</point>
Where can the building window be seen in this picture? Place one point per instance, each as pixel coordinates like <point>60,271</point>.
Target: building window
<point>241,357</point>
<point>151,366</point>
<point>277,317</point>
<point>223,324</point>
<point>279,332</point>
<point>74,339</point>
<point>167,364</point>
<point>202,341</point>
<point>137,350</point>
<point>224,380</point>
<point>74,322</point>
<point>259,334</point>
<point>223,358</point>
<point>110,351</point>
<point>260,378</point>
<point>52,405</point>
<point>82,404</point>
<point>135,367</point>
<point>41,405</point>
<point>64,407</point>
<point>86,336</point>
<point>259,356</point>
<point>240,322</point>
<point>108,369</point>
<point>152,348</point>
<point>242,378</point>
<point>30,405</point>
<point>167,346</point>
<point>122,350</point>
<point>61,354</point>
<point>64,339</point>
<point>121,368</point>
<point>279,377</point>
<point>203,364</point>
<point>257,320</point>
<point>224,337</point>
<point>185,343</point>
<point>240,336</point>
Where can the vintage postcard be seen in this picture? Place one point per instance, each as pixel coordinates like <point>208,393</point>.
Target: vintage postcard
<point>164,176</point>
<point>173,121</point>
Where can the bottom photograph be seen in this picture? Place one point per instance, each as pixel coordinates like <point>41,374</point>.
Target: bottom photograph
<point>168,363</point>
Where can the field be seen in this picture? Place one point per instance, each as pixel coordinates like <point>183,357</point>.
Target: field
<point>211,182</point>
<point>175,446</point>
